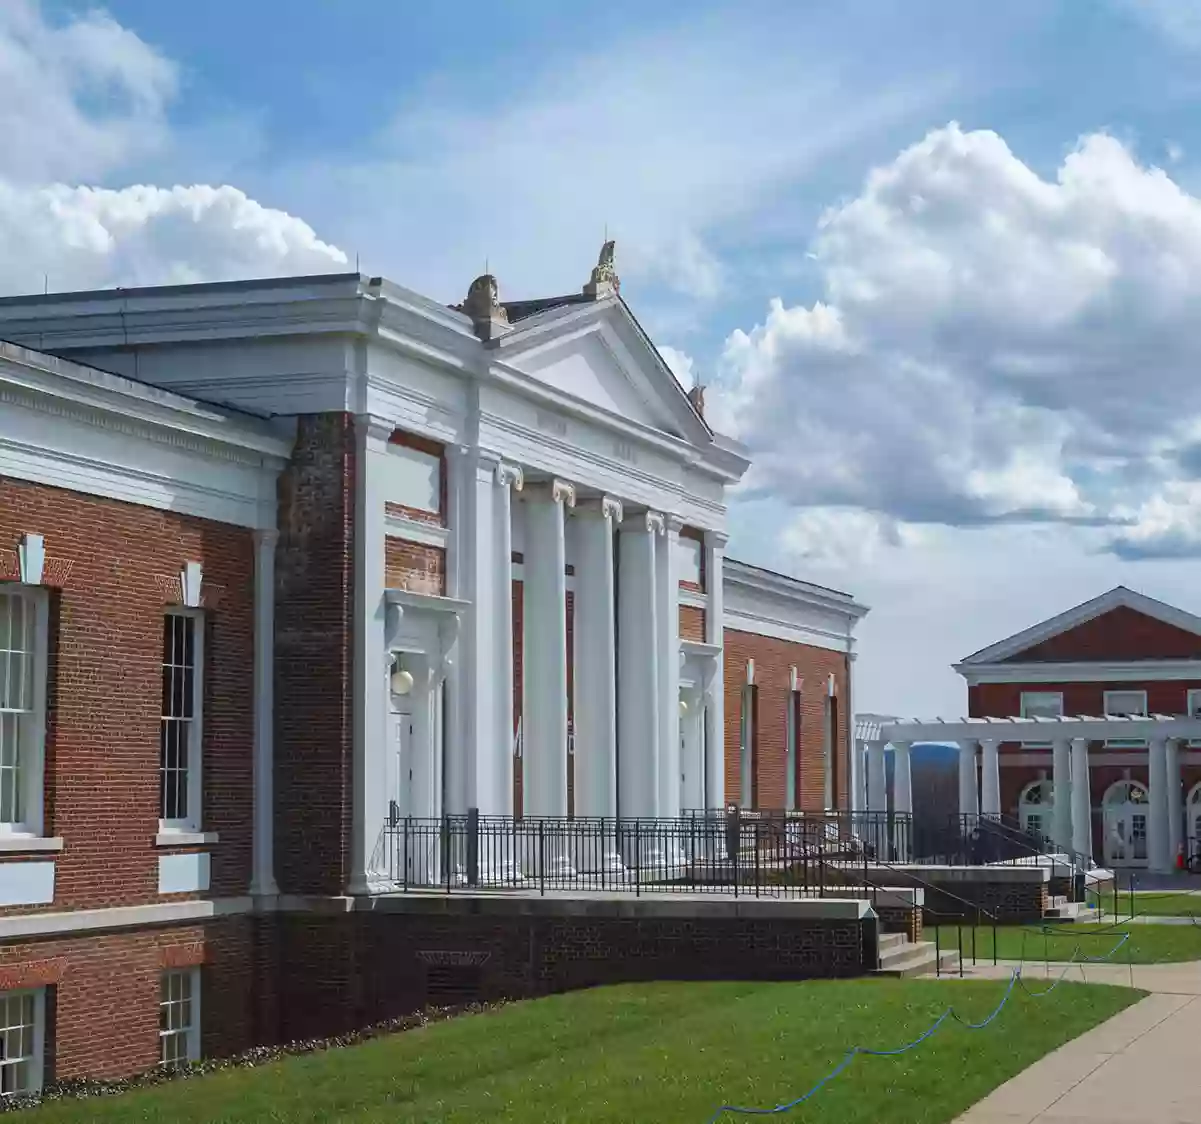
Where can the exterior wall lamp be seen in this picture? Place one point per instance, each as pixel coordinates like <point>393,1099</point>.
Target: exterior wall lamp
<point>402,680</point>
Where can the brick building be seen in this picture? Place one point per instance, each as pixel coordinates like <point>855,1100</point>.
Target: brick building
<point>283,563</point>
<point>1085,728</point>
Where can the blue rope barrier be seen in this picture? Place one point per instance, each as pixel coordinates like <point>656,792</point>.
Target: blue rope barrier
<point>950,1013</point>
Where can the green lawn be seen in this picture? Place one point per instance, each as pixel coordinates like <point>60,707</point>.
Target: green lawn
<point>663,1052</point>
<point>1148,944</point>
<point>1160,903</point>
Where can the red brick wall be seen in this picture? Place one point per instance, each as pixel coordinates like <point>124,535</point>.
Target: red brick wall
<point>1003,700</point>
<point>692,623</point>
<point>1121,634</point>
<point>415,566</point>
<point>773,658</point>
<point>115,565</point>
<point>314,613</point>
<point>102,1009</point>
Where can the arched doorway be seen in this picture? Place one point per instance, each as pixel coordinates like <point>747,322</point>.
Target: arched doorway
<point>1125,811</point>
<point>1192,814</point>
<point>1035,806</point>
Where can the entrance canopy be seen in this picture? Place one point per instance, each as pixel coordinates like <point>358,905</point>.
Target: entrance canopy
<point>1134,727</point>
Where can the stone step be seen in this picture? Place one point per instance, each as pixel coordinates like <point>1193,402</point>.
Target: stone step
<point>890,941</point>
<point>915,960</point>
<point>1066,911</point>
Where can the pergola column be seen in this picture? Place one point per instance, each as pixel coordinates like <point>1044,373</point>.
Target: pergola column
<point>969,806</point>
<point>1157,797</point>
<point>877,778</point>
<point>1175,802</point>
<point>1061,781</point>
<point>990,779</point>
<point>1082,801</point>
<point>902,798</point>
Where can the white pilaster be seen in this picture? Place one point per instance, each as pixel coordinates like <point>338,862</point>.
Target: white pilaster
<point>692,739</point>
<point>1157,798</point>
<point>596,660</point>
<point>637,667</point>
<point>500,800</point>
<point>969,805</point>
<point>544,779</point>
<point>1082,803</point>
<point>1061,813</point>
<point>855,758</point>
<point>1175,802</point>
<point>263,879</point>
<point>990,779</point>
<point>370,720</point>
<point>667,621</point>
<point>715,709</point>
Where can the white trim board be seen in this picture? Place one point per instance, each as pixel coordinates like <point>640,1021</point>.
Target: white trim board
<point>1139,671</point>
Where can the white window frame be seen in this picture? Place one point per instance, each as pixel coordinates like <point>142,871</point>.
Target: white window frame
<point>33,747</point>
<point>1022,708</point>
<point>1192,704</point>
<point>1125,743</point>
<point>37,1058</point>
<point>190,1032</point>
<point>193,820</point>
<point>792,748</point>
<point>746,748</point>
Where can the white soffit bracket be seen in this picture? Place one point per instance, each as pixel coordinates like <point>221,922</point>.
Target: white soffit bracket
<point>190,578</point>
<point>32,555</point>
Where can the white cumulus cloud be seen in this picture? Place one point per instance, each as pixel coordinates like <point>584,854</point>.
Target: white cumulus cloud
<point>989,345</point>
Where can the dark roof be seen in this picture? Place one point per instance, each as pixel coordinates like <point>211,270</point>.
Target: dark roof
<point>522,310</point>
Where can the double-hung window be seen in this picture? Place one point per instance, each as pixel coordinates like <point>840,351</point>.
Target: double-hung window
<point>792,752</point>
<point>180,733</point>
<point>1041,704</point>
<point>22,1041</point>
<point>179,1017</point>
<point>23,629</point>
<point>1121,703</point>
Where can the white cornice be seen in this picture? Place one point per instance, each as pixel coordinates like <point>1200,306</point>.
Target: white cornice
<point>1119,597</point>
<point>1150,671</point>
<point>741,574</point>
<point>1090,728</point>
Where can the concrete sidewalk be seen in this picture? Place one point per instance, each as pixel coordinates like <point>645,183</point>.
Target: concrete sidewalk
<point>1141,1065</point>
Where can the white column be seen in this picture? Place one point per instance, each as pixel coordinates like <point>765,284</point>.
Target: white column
<point>968,799</point>
<point>902,798</point>
<point>990,779</point>
<point>1175,802</point>
<point>263,879</point>
<point>1082,801</point>
<point>715,711</point>
<point>667,621</point>
<point>1061,812</point>
<point>544,779</point>
<point>637,667</point>
<point>692,738</point>
<point>469,680</point>
<point>508,479</point>
<point>425,788</point>
<point>369,770</point>
<point>596,675</point>
<point>1157,813</point>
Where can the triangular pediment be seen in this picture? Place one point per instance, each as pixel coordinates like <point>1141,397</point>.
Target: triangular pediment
<point>1119,626</point>
<point>597,353</point>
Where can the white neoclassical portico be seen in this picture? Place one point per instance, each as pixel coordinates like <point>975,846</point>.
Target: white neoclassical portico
<point>979,741</point>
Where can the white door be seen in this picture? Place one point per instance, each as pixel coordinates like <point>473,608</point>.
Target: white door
<point>1125,824</point>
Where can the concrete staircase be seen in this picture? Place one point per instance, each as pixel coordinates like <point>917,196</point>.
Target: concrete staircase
<point>1060,909</point>
<point>900,957</point>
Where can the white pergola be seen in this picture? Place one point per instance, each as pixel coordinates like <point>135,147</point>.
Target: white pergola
<point>1069,737</point>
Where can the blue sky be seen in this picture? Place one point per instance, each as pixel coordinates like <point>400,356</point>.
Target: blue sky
<point>939,262</point>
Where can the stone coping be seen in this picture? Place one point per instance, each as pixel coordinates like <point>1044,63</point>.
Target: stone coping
<point>1006,874</point>
<point>599,904</point>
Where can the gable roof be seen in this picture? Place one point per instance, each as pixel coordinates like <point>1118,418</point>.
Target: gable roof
<point>542,321</point>
<point>1117,598</point>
